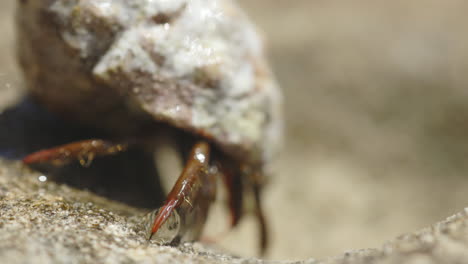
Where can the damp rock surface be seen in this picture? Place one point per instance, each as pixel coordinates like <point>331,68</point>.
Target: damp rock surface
<point>44,222</point>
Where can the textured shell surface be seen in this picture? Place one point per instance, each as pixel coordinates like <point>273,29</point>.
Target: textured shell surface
<point>195,64</point>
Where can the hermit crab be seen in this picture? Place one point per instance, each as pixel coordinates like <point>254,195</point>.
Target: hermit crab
<point>137,69</point>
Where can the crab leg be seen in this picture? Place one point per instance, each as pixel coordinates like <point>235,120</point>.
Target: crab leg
<point>257,188</point>
<point>190,197</point>
<point>233,181</point>
<point>194,191</point>
<point>85,151</point>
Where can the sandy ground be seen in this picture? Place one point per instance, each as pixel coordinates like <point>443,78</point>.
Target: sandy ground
<point>377,134</point>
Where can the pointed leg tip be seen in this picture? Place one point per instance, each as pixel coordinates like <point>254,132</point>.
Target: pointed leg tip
<point>150,236</point>
<point>162,215</point>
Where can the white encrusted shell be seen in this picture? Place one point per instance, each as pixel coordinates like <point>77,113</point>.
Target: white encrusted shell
<point>196,64</point>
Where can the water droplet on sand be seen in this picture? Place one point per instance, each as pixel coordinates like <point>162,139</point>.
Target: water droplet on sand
<point>168,231</point>
<point>42,178</point>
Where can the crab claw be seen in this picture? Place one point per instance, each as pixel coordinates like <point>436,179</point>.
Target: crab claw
<point>189,200</point>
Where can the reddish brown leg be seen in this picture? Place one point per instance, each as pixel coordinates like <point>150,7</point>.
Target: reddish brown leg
<point>257,188</point>
<point>232,178</point>
<point>190,198</point>
<point>85,151</point>
<point>237,182</point>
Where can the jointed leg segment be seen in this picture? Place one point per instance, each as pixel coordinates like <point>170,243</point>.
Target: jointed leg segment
<point>85,151</point>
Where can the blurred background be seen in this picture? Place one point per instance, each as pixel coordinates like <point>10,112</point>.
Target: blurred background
<point>376,119</point>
